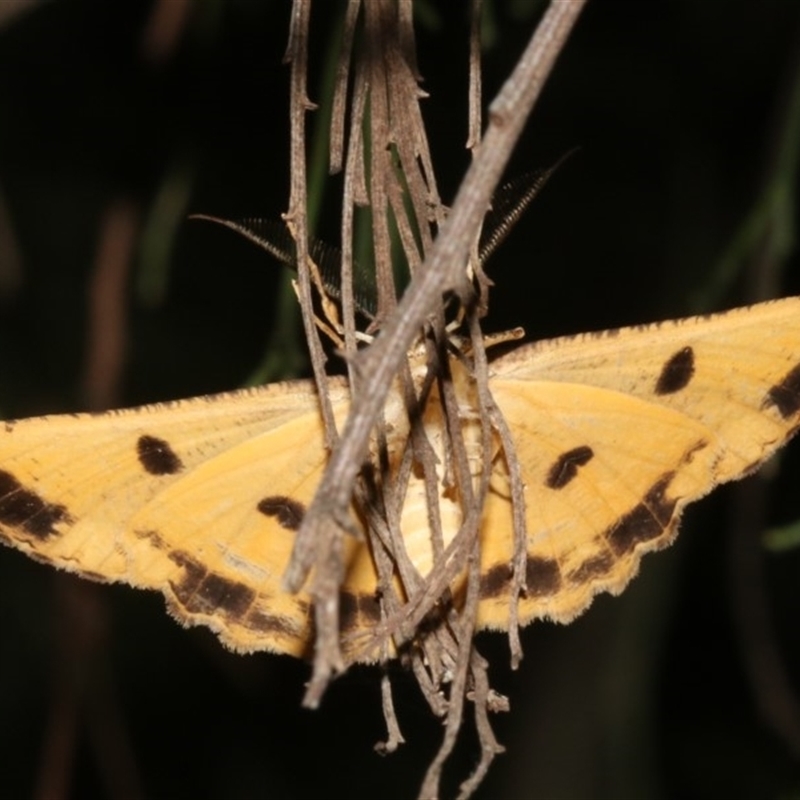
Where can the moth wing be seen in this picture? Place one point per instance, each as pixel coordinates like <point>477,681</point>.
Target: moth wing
<point>738,373</point>
<point>617,431</point>
<point>107,495</point>
<point>598,495</point>
<point>217,540</point>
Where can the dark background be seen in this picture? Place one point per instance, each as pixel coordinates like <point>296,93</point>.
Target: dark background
<point>679,109</point>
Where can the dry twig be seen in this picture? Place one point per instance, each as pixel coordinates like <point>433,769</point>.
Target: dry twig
<point>387,165</point>
<point>443,272</point>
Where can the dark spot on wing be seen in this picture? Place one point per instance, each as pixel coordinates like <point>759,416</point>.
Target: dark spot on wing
<point>204,592</point>
<point>194,572</point>
<point>565,467</point>
<point>369,607</point>
<point>23,508</point>
<point>358,608</point>
<point>348,611</point>
<point>594,567</point>
<point>157,457</point>
<point>218,593</point>
<point>543,576</point>
<point>495,581</point>
<point>201,592</point>
<point>785,396</point>
<point>257,620</point>
<point>288,512</point>
<point>676,372</point>
<point>645,521</point>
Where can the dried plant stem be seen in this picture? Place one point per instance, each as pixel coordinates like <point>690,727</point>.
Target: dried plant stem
<point>475,93</point>
<point>394,736</point>
<point>327,555</point>
<point>376,366</point>
<point>447,452</point>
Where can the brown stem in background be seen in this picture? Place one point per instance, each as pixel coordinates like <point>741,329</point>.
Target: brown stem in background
<point>83,691</point>
<point>107,340</point>
<point>165,26</point>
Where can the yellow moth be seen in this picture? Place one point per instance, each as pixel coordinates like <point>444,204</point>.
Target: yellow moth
<point>616,432</point>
